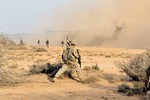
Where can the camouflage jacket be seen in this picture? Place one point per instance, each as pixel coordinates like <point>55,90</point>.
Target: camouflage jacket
<point>69,56</point>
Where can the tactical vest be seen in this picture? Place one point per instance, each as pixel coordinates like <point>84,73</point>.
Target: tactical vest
<point>68,56</point>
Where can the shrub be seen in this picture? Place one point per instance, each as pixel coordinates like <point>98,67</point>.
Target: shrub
<point>139,88</point>
<point>44,68</point>
<point>123,88</point>
<point>96,67</point>
<point>38,68</point>
<point>130,93</point>
<point>8,76</point>
<point>5,42</point>
<point>87,68</point>
<point>91,79</point>
<point>135,68</point>
<point>92,68</point>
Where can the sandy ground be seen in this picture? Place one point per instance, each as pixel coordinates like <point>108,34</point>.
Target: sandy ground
<point>40,87</point>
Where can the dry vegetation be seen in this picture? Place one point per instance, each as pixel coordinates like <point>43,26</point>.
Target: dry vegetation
<point>92,78</point>
<point>136,68</point>
<point>5,42</point>
<point>8,76</point>
<point>46,68</point>
<point>92,74</point>
<point>23,63</point>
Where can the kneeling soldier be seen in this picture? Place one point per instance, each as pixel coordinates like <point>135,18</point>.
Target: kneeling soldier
<point>69,58</point>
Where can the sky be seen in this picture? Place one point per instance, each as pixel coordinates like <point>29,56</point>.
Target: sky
<point>105,23</point>
<point>29,16</point>
<point>20,16</point>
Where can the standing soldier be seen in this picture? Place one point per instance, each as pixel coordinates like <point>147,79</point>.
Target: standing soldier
<point>21,42</point>
<point>62,43</point>
<point>69,58</point>
<point>47,43</point>
<point>39,42</point>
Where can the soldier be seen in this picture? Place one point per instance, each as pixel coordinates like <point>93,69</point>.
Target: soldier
<point>21,42</point>
<point>38,42</point>
<point>47,43</point>
<point>62,43</point>
<point>69,57</point>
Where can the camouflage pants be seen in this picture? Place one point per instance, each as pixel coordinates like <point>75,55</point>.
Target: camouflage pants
<point>71,68</point>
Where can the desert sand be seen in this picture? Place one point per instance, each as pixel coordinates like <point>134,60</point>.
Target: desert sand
<point>39,87</point>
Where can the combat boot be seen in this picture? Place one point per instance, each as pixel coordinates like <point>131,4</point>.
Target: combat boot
<point>54,79</point>
<point>81,80</point>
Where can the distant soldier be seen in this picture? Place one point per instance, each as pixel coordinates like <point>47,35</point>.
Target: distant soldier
<point>69,58</point>
<point>62,43</point>
<point>38,42</point>
<point>21,42</point>
<point>47,43</point>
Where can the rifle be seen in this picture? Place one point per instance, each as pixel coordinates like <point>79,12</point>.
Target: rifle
<point>79,58</point>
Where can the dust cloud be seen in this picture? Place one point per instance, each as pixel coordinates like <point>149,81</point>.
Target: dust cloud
<point>104,23</point>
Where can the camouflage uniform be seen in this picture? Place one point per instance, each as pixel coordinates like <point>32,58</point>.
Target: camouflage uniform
<point>69,57</point>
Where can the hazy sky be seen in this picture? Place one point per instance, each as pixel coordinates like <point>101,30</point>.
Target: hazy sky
<point>92,22</point>
<point>17,16</point>
<point>23,16</point>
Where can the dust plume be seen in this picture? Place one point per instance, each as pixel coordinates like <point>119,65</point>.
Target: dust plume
<point>104,23</point>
